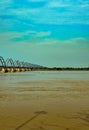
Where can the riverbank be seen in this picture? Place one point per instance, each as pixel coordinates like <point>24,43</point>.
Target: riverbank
<point>60,69</point>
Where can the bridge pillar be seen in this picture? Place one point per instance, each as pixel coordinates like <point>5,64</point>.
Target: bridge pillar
<point>4,70</point>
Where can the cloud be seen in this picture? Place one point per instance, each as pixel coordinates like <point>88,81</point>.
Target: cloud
<point>37,0</point>
<point>75,42</point>
<point>43,34</point>
<point>47,12</point>
<point>56,4</point>
<point>5,2</point>
<point>6,36</point>
<point>30,36</point>
<point>67,3</point>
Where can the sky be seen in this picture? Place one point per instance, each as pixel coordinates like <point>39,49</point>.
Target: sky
<point>52,33</point>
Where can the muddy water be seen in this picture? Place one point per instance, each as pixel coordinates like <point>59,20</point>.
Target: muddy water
<point>44,100</point>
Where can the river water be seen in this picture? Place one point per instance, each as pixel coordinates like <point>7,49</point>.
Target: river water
<point>61,98</point>
<point>8,78</point>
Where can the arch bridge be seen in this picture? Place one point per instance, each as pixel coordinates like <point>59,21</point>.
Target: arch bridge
<point>9,65</point>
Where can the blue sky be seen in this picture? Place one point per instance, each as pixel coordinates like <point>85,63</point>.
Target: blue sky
<point>46,32</point>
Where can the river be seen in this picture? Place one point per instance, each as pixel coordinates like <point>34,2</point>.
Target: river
<point>44,100</point>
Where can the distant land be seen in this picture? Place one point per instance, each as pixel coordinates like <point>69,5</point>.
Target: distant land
<point>61,69</point>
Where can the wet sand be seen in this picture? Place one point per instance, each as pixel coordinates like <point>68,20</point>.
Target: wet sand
<point>53,104</point>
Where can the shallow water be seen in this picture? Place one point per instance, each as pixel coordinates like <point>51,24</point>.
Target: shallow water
<point>44,100</point>
<point>10,78</point>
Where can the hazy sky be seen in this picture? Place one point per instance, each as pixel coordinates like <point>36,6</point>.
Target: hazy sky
<point>46,32</point>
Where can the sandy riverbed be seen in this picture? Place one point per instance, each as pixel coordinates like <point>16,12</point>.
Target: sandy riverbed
<point>53,104</point>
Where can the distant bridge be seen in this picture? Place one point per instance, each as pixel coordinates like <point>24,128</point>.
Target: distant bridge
<point>9,65</point>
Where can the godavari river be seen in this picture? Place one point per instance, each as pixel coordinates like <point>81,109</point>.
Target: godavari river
<point>44,100</point>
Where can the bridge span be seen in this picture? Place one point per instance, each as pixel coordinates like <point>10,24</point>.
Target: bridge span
<point>9,65</point>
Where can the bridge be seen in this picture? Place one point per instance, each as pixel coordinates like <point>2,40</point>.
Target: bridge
<point>9,65</point>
